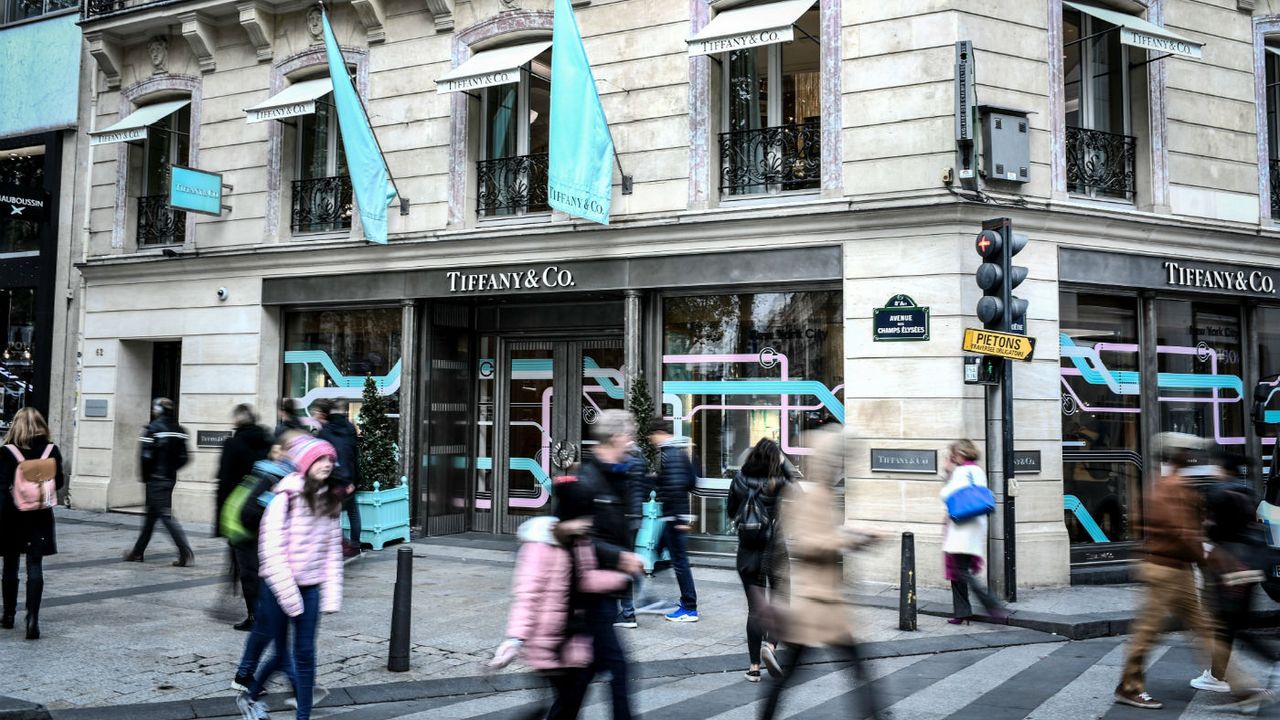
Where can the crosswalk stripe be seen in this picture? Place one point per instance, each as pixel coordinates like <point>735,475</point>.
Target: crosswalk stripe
<point>1090,694</point>
<point>1017,696</point>
<point>1167,681</point>
<point>901,682</point>
<point>951,693</point>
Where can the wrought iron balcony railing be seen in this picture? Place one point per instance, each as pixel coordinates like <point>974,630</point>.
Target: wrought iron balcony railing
<point>512,185</point>
<point>1273,167</point>
<point>321,204</point>
<point>1101,163</point>
<point>90,9</point>
<point>159,224</point>
<point>772,159</point>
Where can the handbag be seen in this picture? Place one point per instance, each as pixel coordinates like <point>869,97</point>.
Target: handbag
<point>970,501</point>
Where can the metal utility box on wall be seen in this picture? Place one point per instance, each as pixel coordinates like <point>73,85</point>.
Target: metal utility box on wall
<point>1006,144</point>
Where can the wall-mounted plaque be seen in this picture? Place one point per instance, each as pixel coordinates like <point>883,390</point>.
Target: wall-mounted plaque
<point>924,462</point>
<point>1026,462</point>
<point>95,408</point>
<point>212,438</point>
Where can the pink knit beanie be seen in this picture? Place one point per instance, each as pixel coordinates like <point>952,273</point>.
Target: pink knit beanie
<point>305,451</point>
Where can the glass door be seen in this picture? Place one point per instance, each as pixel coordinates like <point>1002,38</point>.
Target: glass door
<point>545,398</point>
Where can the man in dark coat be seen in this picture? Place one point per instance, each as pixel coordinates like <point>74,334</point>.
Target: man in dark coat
<point>600,491</point>
<point>163,451</point>
<point>676,479</point>
<point>247,445</point>
<point>341,434</point>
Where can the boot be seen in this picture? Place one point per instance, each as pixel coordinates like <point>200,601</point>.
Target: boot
<point>185,559</point>
<point>33,626</point>
<point>6,620</point>
<point>244,626</point>
<point>10,594</point>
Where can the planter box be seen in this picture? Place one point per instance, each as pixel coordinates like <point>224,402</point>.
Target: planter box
<point>384,515</point>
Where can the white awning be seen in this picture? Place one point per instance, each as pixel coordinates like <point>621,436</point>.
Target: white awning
<point>487,68</point>
<point>750,26</point>
<point>1139,33</point>
<point>297,99</point>
<point>134,126</point>
<point>1272,50</point>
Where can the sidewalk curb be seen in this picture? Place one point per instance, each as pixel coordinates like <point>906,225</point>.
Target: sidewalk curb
<point>484,684</point>
<point>15,709</point>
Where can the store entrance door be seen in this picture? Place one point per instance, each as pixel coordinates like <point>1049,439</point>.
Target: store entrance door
<point>547,393</point>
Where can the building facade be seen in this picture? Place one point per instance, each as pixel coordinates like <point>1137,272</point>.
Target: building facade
<point>42,175</point>
<point>791,167</point>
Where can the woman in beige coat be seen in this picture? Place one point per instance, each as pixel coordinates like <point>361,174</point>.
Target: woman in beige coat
<point>817,538</point>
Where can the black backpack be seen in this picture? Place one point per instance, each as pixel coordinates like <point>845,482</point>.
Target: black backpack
<point>753,521</point>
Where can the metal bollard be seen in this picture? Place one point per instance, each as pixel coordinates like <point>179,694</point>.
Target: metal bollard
<point>401,611</point>
<point>907,584</point>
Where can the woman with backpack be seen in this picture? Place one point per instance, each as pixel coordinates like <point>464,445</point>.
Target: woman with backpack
<point>762,551</point>
<point>300,553</point>
<point>964,543</point>
<point>29,463</point>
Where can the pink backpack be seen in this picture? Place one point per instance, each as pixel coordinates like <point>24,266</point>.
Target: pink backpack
<point>33,482</point>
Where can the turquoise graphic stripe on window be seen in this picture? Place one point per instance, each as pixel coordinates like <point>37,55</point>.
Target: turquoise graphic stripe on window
<point>1072,504</point>
<point>526,464</point>
<point>1124,382</point>
<point>760,388</point>
<point>542,367</point>
<point>321,358</point>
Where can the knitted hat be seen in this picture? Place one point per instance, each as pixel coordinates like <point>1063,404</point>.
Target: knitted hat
<point>306,451</point>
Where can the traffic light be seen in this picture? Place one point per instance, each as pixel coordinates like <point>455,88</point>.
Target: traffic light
<point>999,309</point>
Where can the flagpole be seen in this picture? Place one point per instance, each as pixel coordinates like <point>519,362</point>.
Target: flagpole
<point>404,201</point>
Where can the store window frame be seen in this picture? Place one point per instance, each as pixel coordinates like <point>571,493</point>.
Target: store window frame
<point>1146,302</point>
<point>1266,48</point>
<point>159,225</point>
<point>653,345</point>
<point>323,202</point>
<point>47,11</point>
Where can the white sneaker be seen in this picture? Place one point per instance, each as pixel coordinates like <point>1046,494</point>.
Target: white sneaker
<point>1209,683</point>
<point>251,709</point>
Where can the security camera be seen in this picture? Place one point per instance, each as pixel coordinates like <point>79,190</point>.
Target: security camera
<point>223,293</point>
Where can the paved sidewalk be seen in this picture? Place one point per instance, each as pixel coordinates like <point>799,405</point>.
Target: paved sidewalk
<point>118,634</point>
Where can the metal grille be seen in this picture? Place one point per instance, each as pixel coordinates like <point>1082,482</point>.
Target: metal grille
<point>1101,163</point>
<point>321,204</point>
<point>512,185</point>
<point>772,159</point>
<point>94,8</point>
<point>159,224</point>
<point>1273,166</point>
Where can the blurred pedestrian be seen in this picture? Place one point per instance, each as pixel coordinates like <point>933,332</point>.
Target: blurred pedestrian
<point>163,451</point>
<point>1237,562</point>
<point>762,561</point>
<point>640,484</point>
<point>300,553</point>
<point>964,543</point>
<point>817,539</point>
<point>287,418</point>
<point>600,491</point>
<point>338,431</point>
<point>28,450</point>
<point>248,444</point>
<point>676,479</point>
<point>547,627</point>
<point>1173,546</point>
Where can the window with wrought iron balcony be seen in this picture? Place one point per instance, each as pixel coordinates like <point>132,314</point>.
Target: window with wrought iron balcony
<point>511,174</point>
<point>322,193</point>
<point>1102,88</point>
<point>167,143</point>
<point>772,116</point>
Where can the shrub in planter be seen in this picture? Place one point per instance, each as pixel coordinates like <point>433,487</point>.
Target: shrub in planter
<point>382,494</point>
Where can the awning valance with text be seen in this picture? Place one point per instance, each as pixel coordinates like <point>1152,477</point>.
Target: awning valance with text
<point>297,99</point>
<point>134,126</point>
<point>749,26</point>
<point>1139,33</point>
<point>499,66</point>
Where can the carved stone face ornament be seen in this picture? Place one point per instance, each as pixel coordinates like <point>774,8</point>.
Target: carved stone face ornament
<point>158,49</point>
<point>511,4</point>
<point>315,24</point>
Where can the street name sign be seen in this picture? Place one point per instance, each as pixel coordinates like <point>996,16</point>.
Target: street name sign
<point>1005,345</point>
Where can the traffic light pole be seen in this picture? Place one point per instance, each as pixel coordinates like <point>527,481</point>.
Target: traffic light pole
<point>1006,423</point>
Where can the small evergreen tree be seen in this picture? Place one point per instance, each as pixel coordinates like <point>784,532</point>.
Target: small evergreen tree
<point>377,441</point>
<point>642,411</point>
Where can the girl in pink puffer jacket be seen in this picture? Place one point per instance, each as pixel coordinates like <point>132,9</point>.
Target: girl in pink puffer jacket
<point>300,555</point>
<point>556,565</point>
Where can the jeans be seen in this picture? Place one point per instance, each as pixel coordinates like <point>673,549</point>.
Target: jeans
<point>960,605</point>
<point>860,672</point>
<point>35,581</point>
<point>609,656</point>
<point>353,519</point>
<point>246,559</point>
<point>1170,590</point>
<point>269,624</point>
<point>570,687</point>
<point>160,507</point>
<point>305,627</point>
<point>677,543</point>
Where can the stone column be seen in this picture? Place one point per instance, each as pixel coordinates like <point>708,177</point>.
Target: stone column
<point>408,362</point>
<point>633,340</point>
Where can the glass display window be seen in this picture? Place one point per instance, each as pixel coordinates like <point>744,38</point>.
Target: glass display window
<point>329,353</point>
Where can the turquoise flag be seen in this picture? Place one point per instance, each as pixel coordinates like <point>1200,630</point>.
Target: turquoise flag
<point>580,166</point>
<point>369,175</point>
